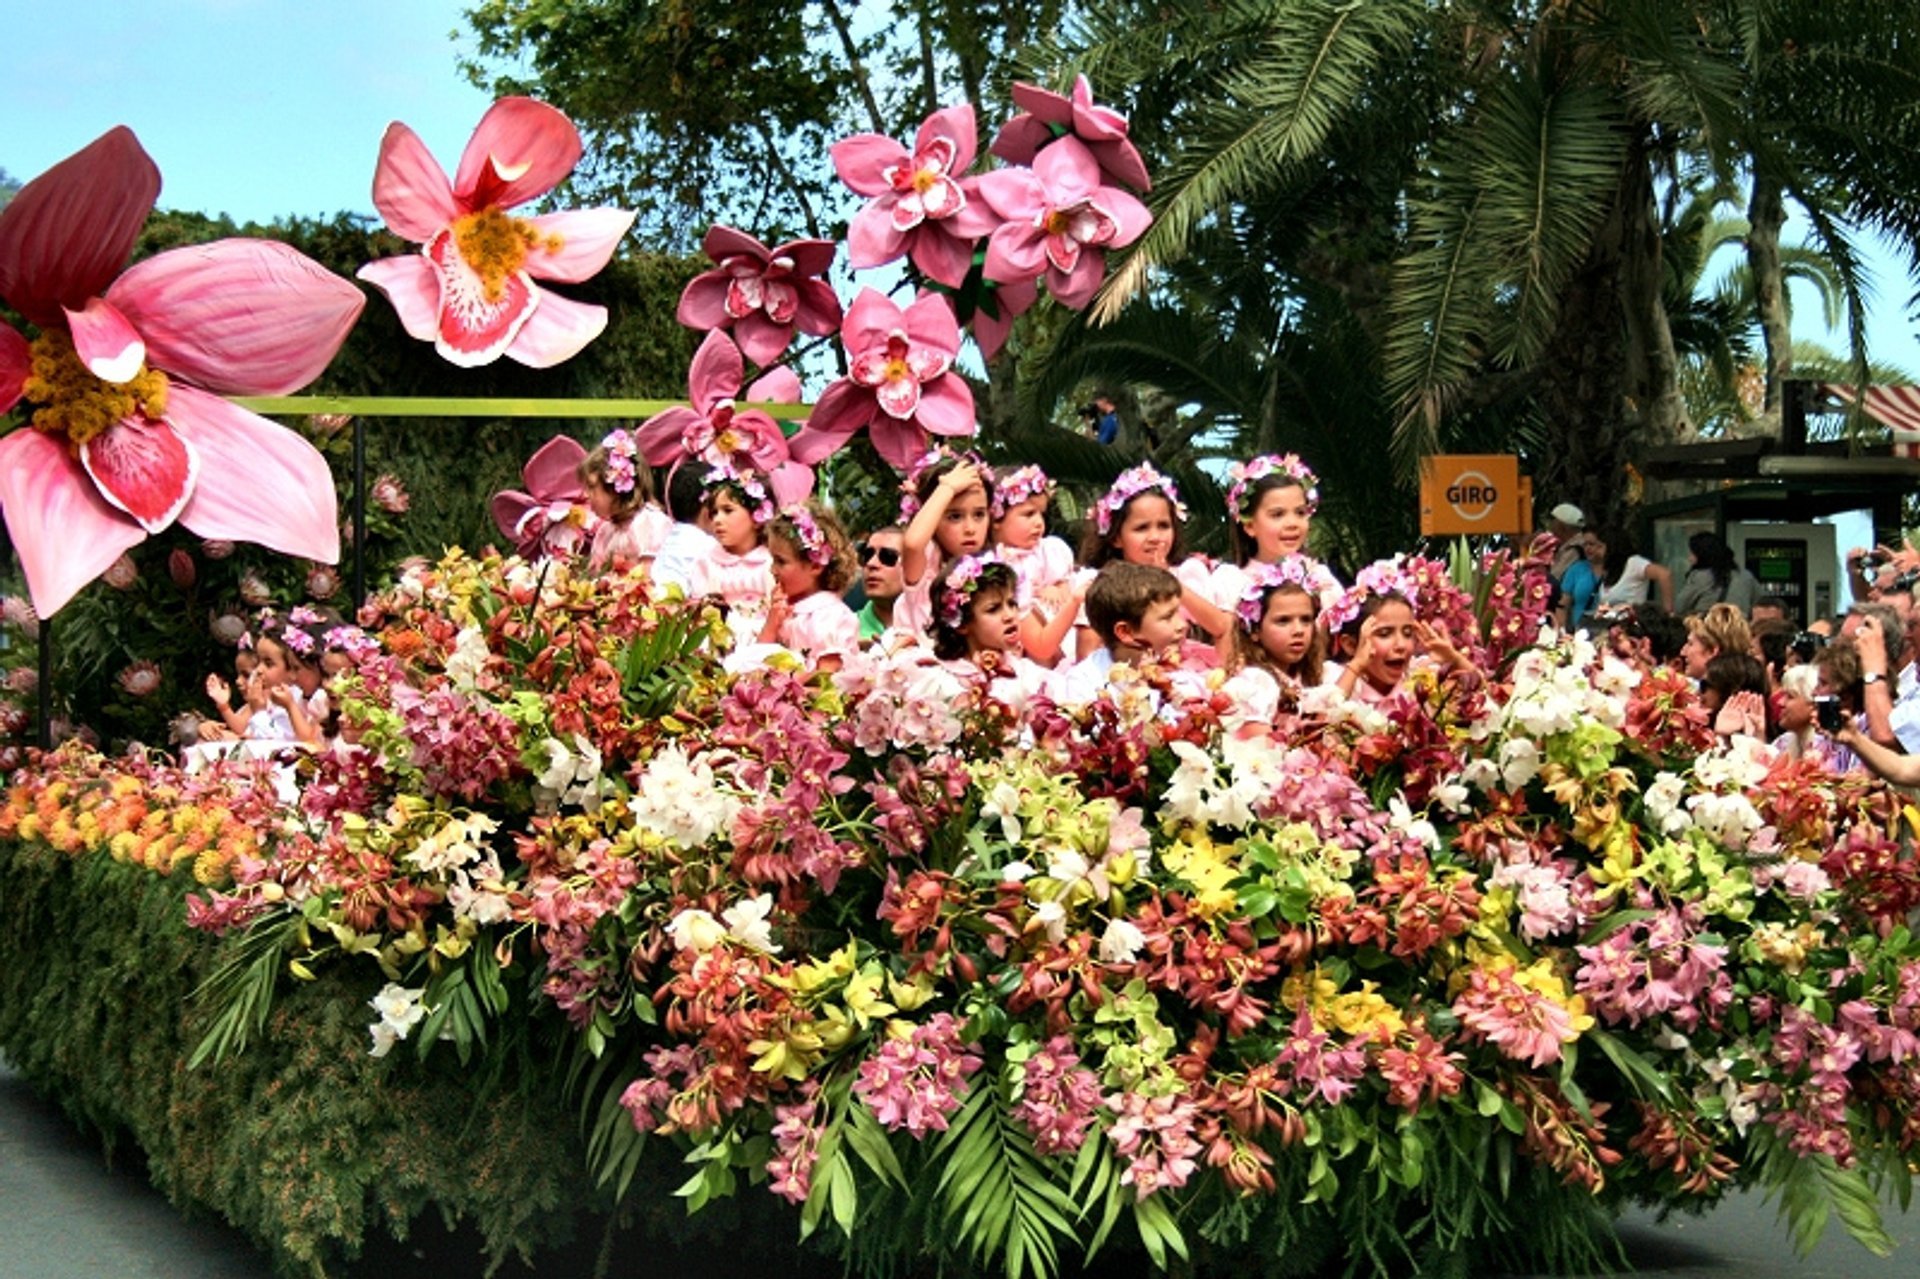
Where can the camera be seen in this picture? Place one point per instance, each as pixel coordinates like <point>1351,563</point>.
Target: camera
<point>1807,643</point>
<point>1826,712</point>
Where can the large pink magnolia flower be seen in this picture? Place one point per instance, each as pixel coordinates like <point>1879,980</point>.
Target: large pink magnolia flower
<point>717,433</point>
<point>900,385</point>
<point>1059,222</point>
<point>762,294</point>
<point>920,206</point>
<point>470,290</point>
<point>129,431</point>
<point>1049,116</point>
<point>550,518</point>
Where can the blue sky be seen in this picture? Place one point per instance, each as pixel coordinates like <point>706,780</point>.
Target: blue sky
<point>271,108</point>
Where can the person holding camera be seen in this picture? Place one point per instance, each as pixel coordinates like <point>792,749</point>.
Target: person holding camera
<point>1813,708</point>
<point>1891,689</point>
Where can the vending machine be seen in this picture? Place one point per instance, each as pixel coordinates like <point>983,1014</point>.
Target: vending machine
<point>1797,562</point>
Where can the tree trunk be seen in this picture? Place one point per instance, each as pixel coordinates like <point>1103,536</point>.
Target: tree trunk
<point>1653,365</point>
<point>1766,214</point>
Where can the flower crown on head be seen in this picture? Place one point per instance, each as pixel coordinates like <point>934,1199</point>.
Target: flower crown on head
<point>757,502</point>
<point>1132,483</point>
<point>1245,476</point>
<point>1382,577</point>
<point>1017,486</point>
<point>621,452</point>
<point>808,533</point>
<point>910,487</point>
<point>352,641</point>
<point>958,584</point>
<point>1262,578</point>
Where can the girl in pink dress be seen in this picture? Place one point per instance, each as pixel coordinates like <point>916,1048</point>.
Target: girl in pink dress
<point>947,514</point>
<point>976,630</point>
<point>1139,521</point>
<point>812,564</point>
<point>1049,598</point>
<point>1271,501</point>
<point>620,494</point>
<point>739,568</point>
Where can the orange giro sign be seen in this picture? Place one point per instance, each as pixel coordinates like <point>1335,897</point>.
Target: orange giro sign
<point>1472,493</point>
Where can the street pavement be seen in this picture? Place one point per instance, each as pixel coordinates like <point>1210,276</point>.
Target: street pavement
<point>65,1214</point>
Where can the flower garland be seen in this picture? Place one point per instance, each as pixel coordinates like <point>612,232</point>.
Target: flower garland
<point>753,493</point>
<point>909,487</point>
<point>960,582</point>
<point>1132,483</point>
<point>621,452</point>
<point>1262,578</point>
<point>1245,475</point>
<point>1019,485</point>
<point>808,533</point>
<point>1382,577</point>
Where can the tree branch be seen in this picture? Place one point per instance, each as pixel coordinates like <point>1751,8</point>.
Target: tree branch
<point>849,47</point>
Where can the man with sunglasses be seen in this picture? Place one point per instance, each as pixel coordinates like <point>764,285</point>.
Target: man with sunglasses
<point>880,580</point>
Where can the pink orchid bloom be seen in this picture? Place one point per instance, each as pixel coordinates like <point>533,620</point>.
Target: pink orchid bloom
<point>1049,116</point>
<point>470,290</point>
<point>126,376</point>
<point>900,386</point>
<point>1007,302</point>
<point>550,519</point>
<point>920,207</point>
<point>1059,222</point>
<point>762,294</point>
<point>714,431</point>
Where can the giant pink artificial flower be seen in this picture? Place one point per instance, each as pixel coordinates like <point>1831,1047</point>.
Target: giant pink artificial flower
<point>900,384</point>
<point>129,431</point>
<point>550,518</point>
<point>1059,221</point>
<point>1049,116</point>
<point>996,310</point>
<point>921,207</point>
<point>717,433</point>
<point>470,290</point>
<point>762,294</point>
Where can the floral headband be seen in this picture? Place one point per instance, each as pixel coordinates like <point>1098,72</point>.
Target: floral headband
<point>808,533</point>
<point>352,641</point>
<point>910,487</point>
<point>621,451</point>
<point>754,493</point>
<point>960,582</point>
<point>1132,483</point>
<point>1017,486</point>
<point>1245,476</point>
<point>1262,579</point>
<point>1382,577</point>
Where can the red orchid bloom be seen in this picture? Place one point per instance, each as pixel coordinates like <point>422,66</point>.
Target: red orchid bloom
<point>129,431</point>
<point>550,518</point>
<point>900,385</point>
<point>920,206</point>
<point>1049,116</point>
<point>1060,221</point>
<point>470,290</point>
<point>762,294</point>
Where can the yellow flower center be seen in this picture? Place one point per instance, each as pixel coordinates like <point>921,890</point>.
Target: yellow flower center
<point>495,246</point>
<point>73,402</point>
<point>1058,221</point>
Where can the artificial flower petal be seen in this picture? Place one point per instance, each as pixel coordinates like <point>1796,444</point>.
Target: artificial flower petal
<point>775,386</point>
<point>410,188</point>
<point>473,327</point>
<point>413,287</point>
<point>703,303</point>
<point>64,532</point>
<point>715,375</point>
<point>16,361</point>
<point>790,483</point>
<point>280,491</point>
<point>761,339</point>
<point>872,238</point>
<point>239,316</point>
<point>842,410</point>
<point>557,331</point>
<point>520,149</point>
<point>65,234</point>
<point>866,162</point>
<point>946,406</point>
<point>108,345</point>
<point>144,467</point>
<point>587,239</point>
<point>662,437</point>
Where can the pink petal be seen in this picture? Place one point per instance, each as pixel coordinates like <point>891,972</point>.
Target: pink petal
<point>842,410</point>
<point>761,339</point>
<point>790,483</point>
<point>703,303</point>
<point>552,474</point>
<point>66,233</point>
<point>413,286</point>
<point>262,484</point>
<point>16,361</point>
<point>508,508</point>
<point>775,386</point>
<point>715,375</point>
<point>955,126</point>
<point>929,322</point>
<point>1130,217</point>
<point>809,257</point>
<point>1091,121</point>
<point>900,444</point>
<point>872,239</point>
<point>993,318</point>
<point>1120,161</point>
<point>766,443</point>
<point>898,397</point>
<point>779,299</point>
<point>1046,106</point>
<point>63,530</point>
<point>557,331</point>
<point>1068,171</point>
<point>975,218</point>
<point>1015,194</point>
<point>471,328</point>
<point>519,150</point>
<point>1075,288</point>
<point>941,256</point>
<point>240,316</point>
<point>1017,251</point>
<point>410,188</point>
<point>871,319</point>
<point>946,406</point>
<point>723,242</point>
<point>145,468</point>
<point>105,342</point>
<point>862,162</point>
<point>819,309</point>
<point>662,437</point>
<point>588,238</point>
<point>1020,138</point>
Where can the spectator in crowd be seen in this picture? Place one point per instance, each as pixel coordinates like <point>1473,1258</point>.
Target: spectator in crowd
<point>1580,584</point>
<point>1734,690</point>
<point>880,580</point>
<point>1103,418</point>
<point>1626,576</point>
<point>1771,607</point>
<point>1721,629</point>
<point>1714,578</point>
<point>689,541</point>
<point>1891,693</point>
<point>1567,523</point>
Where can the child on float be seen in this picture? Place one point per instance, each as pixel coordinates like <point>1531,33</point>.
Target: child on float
<point>287,673</point>
<point>1279,643</point>
<point>631,527</point>
<point>1048,597</point>
<point>1271,501</point>
<point>1139,520</point>
<point>1135,610</point>
<point>947,512</point>
<point>812,565</point>
<point>976,630</point>
<point>1381,639</point>
<point>739,567</point>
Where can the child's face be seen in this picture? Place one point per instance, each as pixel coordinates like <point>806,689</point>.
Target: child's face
<point>993,623</point>
<point>271,663</point>
<point>600,500</point>
<point>733,525</point>
<point>1146,531</point>
<point>243,663</point>
<point>963,526</point>
<point>1393,644</point>
<point>793,572</point>
<point>1278,526</point>
<point>1162,628</point>
<point>1286,629</point>
<point>257,691</point>
<point>1024,525</point>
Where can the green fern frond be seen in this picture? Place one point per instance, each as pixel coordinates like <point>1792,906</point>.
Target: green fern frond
<point>1001,1201</point>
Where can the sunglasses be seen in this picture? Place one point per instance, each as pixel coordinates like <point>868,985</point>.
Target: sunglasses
<point>887,555</point>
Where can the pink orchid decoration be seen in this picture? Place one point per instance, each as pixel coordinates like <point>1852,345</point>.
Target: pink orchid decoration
<point>994,314</point>
<point>471,289</point>
<point>900,385</point>
<point>717,433</point>
<point>762,294</point>
<point>920,206</point>
<point>1060,221</point>
<point>549,519</point>
<point>1048,116</point>
<point>129,431</point>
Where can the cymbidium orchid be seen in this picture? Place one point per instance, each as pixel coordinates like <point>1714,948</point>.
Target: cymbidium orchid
<point>920,206</point>
<point>762,294</point>
<point>471,289</point>
<point>129,430</point>
<point>1047,116</point>
<point>900,384</point>
<point>1059,221</point>
<point>714,431</point>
